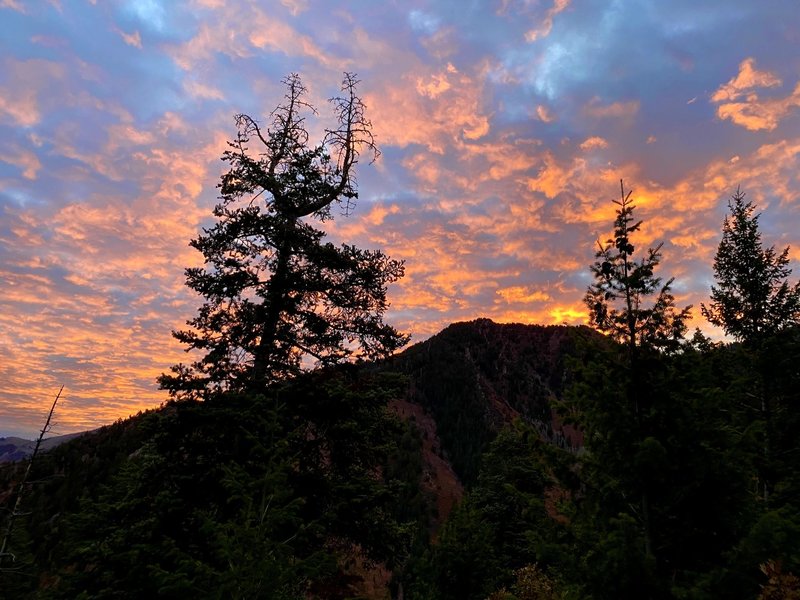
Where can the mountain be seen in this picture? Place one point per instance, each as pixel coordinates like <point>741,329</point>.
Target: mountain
<point>441,473</point>
<point>452,394</point>
<point>14,448</point>
<point>476,377</point>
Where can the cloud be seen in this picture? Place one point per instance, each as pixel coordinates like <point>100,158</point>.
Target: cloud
<point>745,81</point>
<point>739,102</point>
<point>26,160</point>
<point>440,108</point>
<point>544,28</point>
<point>13,5</point>
<point>296,7</point>
<point>26,80</point>
<point>500,160</point>
<point>240,34</point>
<point>132,39</point>
<point>522,294</point>
<point>619,109</point>
<point>202,91</point>
<point>593,142</point>
<point>544,114</point>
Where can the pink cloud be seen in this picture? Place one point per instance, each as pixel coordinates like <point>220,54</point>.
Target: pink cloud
<point>544,114</point>
<point>296,7</point>
<point>13,5</point>
<point>242,33</point>
<point>132,39</point>
<point>26,160</point>
<point>202,91</point>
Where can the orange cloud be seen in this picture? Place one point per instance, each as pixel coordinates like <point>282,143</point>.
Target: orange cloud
<point>614,110</point>
<point>439,109</point>
<point>593,142</point>
<point>756,115</point>
<point>739,102</point>
<point>747,79</point>
<point>522,294</point>
<point>543,30</point>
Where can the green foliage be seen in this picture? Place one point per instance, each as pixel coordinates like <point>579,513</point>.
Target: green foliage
<point>753,297</point>
<point>276,293</point>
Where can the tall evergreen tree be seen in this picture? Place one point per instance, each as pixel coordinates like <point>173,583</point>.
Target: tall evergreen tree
<point>276,294</point>
<point>617,300</point>
<point>753,298</point>
<point>753,301</point>
<point>623,435</point>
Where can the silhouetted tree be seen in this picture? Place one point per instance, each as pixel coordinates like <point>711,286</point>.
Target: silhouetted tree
<point>753,298</point>
<point>275,292</point>
<point>617,298</point>
<point>753,301</point>
<point>619,305</point>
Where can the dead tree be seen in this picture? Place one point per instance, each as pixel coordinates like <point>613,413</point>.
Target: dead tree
<point>16,512</point>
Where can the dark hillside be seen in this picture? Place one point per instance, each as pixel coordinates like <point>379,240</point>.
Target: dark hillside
<point>475,377</point>
<point>303,491</point>
<point>442,473</point>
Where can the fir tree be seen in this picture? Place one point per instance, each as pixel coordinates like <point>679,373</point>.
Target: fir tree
<point>623,436</point>
<point>753,302</point>
<point>617,300</point>
<point>753,298</point>
<point>276,294</point>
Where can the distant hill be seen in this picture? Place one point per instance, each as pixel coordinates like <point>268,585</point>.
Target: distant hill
<point>14,448</point>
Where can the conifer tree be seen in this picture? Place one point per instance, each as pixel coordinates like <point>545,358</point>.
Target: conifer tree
<point>617,300</point>
<point>276,294</point>
<point>753,301</point>
<point>753,298</point>
<point>620,305</point>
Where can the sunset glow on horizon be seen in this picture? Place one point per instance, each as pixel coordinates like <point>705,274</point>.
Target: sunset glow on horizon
<point>505,127</point>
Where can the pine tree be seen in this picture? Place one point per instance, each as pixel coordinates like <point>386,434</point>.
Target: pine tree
<point>276,294</point>
<point>753,298</point>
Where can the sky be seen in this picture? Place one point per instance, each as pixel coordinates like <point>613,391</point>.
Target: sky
<point>505,127</point>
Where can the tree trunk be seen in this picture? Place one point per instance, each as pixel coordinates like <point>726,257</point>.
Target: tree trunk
<point>274,304</point>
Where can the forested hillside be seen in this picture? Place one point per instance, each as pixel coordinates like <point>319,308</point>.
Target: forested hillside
<point>319,489</point>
